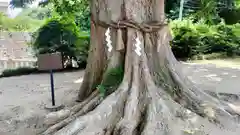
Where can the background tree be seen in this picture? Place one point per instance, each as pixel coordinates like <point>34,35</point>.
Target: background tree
<point>208,10</point>
<point>37,13</point>
<point>21,23</point>
<point>60,34</point>
<point>21,3</point>
<point>77,8</point>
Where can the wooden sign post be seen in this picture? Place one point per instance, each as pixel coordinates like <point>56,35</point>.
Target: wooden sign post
<point>50,62</point>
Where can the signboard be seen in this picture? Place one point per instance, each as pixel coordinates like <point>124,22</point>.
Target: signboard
<point>49,61</point>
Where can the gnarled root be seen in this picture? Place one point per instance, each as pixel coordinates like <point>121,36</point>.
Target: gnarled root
<point>202,103</point>
<point>55,117</point>
<point>78,107</point>
<point>160,117</point>
<point>134,108</point>
<point>100,119</point>
<point>142,106</point>
<point>73,115</point>
<point>188,95</point>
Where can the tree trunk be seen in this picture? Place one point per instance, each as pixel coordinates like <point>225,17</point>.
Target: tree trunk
<point>154,97</point>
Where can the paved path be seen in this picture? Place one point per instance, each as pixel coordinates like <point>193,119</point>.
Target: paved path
<point>210,77</point>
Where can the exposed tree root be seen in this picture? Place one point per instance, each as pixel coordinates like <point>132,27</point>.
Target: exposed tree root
<point>134,106</point>
<point>187,95</point>
<point>140,106</point>
<point>102,119</point>
<point>56,117</point>
<point>88,107</point>
<point>154,97</point>
<point>78,107</point>
<point>200,101</point>
<point>161,108</point>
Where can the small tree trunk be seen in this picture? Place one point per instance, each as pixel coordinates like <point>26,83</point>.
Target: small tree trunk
<point>97,56</point>
<point>154,97</point>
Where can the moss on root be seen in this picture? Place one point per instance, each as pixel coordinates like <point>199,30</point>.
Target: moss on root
<point>111,80</point>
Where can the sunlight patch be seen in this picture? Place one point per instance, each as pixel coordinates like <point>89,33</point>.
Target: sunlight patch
<point>80,80</point>
<point>203,69</point>
<point>213,77</point>
<point>225,73</point>
<point>192,131</point>
<point>200,69</point>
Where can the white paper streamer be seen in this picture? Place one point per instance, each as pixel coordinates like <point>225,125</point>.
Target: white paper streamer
<point>138,48</point>
<point>108,39</point>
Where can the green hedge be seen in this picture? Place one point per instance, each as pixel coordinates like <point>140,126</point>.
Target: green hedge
<point>29,70</point>
<point>18,71</point>
<point>192,39</point>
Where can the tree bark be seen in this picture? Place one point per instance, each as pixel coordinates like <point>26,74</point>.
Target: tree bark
<point>97,55</point>
<point>154,97</point>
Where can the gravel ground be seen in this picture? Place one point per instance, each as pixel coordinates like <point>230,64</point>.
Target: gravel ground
<point>23,98</point>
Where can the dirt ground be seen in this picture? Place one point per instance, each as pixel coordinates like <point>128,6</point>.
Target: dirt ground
<point>22,99</point>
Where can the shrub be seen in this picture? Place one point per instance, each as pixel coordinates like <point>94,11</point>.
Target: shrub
<point>61,34</point>
<point>192,39</point>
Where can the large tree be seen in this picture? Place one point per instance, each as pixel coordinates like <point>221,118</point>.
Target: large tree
<point>154,97</point>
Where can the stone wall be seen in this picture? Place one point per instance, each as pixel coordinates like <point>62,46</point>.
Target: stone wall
<point>4,6</point>
<point>15,51</point>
